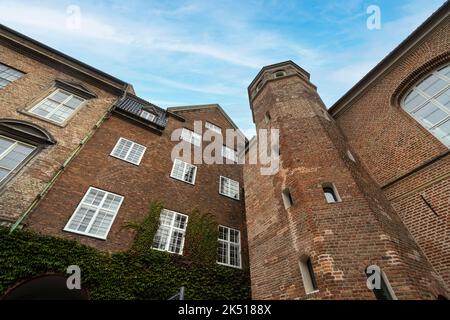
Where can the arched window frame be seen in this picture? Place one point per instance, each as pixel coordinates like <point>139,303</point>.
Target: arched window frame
<point>27,134</point>
<point>442,73</point>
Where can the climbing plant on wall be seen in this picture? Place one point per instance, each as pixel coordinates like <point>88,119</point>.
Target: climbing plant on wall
<point>140,273</point>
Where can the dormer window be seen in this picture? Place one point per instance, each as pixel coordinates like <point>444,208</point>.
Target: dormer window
<point>148,115</point>
<point>279,74</point>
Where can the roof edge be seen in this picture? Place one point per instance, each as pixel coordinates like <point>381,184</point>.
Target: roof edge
<point>405,46</point>
<point>51,53</point>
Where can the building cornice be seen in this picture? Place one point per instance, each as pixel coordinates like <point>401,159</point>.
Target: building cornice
<point>26,44</point>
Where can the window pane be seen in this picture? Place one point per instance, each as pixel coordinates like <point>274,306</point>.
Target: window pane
<point>8,75</point>
<point>445,71</point>
<point>3,173</point>
<point>430,115</point>
<point>223,233</point>
<point>180,221</point>
<point>178,170</point>
<point>59,96</point>
<point>444,99</point>
<point>166,217</point>
<point>73,103</point>
<point>136,153</point>
<point>176,242</point>
<point>443,132</point>
<point>5,143</point>
<point>222,252</point>
<point>189,174</point>
<point>234,255</point>
<point>432,85</point>
<point>414,100</point>
<point>234,236</point>
<point>161,238</point>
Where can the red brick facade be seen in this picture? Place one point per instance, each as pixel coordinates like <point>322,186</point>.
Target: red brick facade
<point>393,198</point>
<point>408,163</point>
<point>140,185</point>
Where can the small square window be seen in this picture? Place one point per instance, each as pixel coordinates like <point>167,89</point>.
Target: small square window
<point>229,188</point>
<point>128,151</point>
<point>147,115</point>
<point>183,171</point>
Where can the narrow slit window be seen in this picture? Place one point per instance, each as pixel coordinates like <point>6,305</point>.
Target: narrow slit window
<point>330,193</point>
<point>308,276</point>
<point>287,198</point>
<point>267,117</point>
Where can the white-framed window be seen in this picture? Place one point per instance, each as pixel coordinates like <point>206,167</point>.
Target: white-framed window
<point>8,75</point>
<point>229,188</point>
<point>148,115</point>
<point>58,106</point>
<point>12,154</point>
<point>191,137</point>
<point>171,232</point>
<point>183,171</point>
<point>229,250</point>
<point>95,214</point>
<point>128,151</point>
<point>429,103</point>
<point>213,127</point>
<point>229,153</point>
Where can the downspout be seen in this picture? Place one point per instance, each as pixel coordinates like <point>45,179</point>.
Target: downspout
<point>73,154</point>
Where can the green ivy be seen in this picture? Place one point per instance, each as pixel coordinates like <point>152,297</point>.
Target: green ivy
<point>140,273</point>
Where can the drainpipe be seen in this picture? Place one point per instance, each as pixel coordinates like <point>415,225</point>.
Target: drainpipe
<point>73,154</point>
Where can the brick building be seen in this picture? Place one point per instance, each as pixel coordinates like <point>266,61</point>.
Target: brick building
<point>363,184</point>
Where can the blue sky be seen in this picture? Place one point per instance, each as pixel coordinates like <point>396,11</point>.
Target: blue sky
<point>199,52</point>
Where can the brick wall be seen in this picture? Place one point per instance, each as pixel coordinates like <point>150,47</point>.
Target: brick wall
<point>401,155</point>
<point>38,79</point>
<point>140,185</point>
<point>343,238</point>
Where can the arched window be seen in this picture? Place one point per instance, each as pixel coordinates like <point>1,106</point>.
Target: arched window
<point>429,103</point>
<point>308,276</point>
<point>19,142</point>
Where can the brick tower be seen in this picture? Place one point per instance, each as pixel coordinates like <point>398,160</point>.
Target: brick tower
<point>317,224</point>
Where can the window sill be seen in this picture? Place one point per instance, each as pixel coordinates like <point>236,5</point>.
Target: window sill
<point>189,183</point>
<point>229,265</point>
<point>313,292</point>
<point>27,113</point>
<point>86,234</point>
<point>238,199</point>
